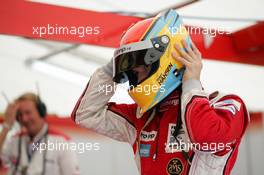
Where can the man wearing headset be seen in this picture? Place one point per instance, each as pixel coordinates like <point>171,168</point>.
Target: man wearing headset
<point>177,129</point>
<point>25,153</point>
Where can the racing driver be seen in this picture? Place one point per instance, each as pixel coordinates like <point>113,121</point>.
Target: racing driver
<point>177,128</point>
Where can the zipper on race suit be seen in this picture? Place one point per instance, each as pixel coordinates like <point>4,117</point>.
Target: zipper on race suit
<point>155,155</point>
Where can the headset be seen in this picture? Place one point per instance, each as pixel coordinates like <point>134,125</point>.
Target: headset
<point>41,107</point>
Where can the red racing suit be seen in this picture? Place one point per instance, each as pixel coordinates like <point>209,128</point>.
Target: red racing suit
<point>210,133</point>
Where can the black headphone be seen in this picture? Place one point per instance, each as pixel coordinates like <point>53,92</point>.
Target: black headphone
<point>41,107</point>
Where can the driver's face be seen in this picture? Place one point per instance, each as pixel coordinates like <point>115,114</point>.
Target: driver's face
<point>142,72</point>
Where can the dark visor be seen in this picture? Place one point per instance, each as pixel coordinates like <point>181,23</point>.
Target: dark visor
<point>133,55</point>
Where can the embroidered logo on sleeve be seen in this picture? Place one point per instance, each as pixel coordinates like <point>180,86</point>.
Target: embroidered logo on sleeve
<point>230,105</point>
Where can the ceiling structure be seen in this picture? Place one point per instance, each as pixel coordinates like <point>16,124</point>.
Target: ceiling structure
<point>59,66</point>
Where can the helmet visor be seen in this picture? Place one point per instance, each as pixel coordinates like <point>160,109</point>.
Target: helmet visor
<point>133,55</point>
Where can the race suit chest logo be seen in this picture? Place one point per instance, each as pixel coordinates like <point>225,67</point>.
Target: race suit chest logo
<point>163,76</point>
<point>173,145</point>
<point>148,136</point>
<point>172,102</point>
<point>174,167</point>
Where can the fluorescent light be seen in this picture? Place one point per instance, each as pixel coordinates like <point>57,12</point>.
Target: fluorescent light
<point>60,73</point>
